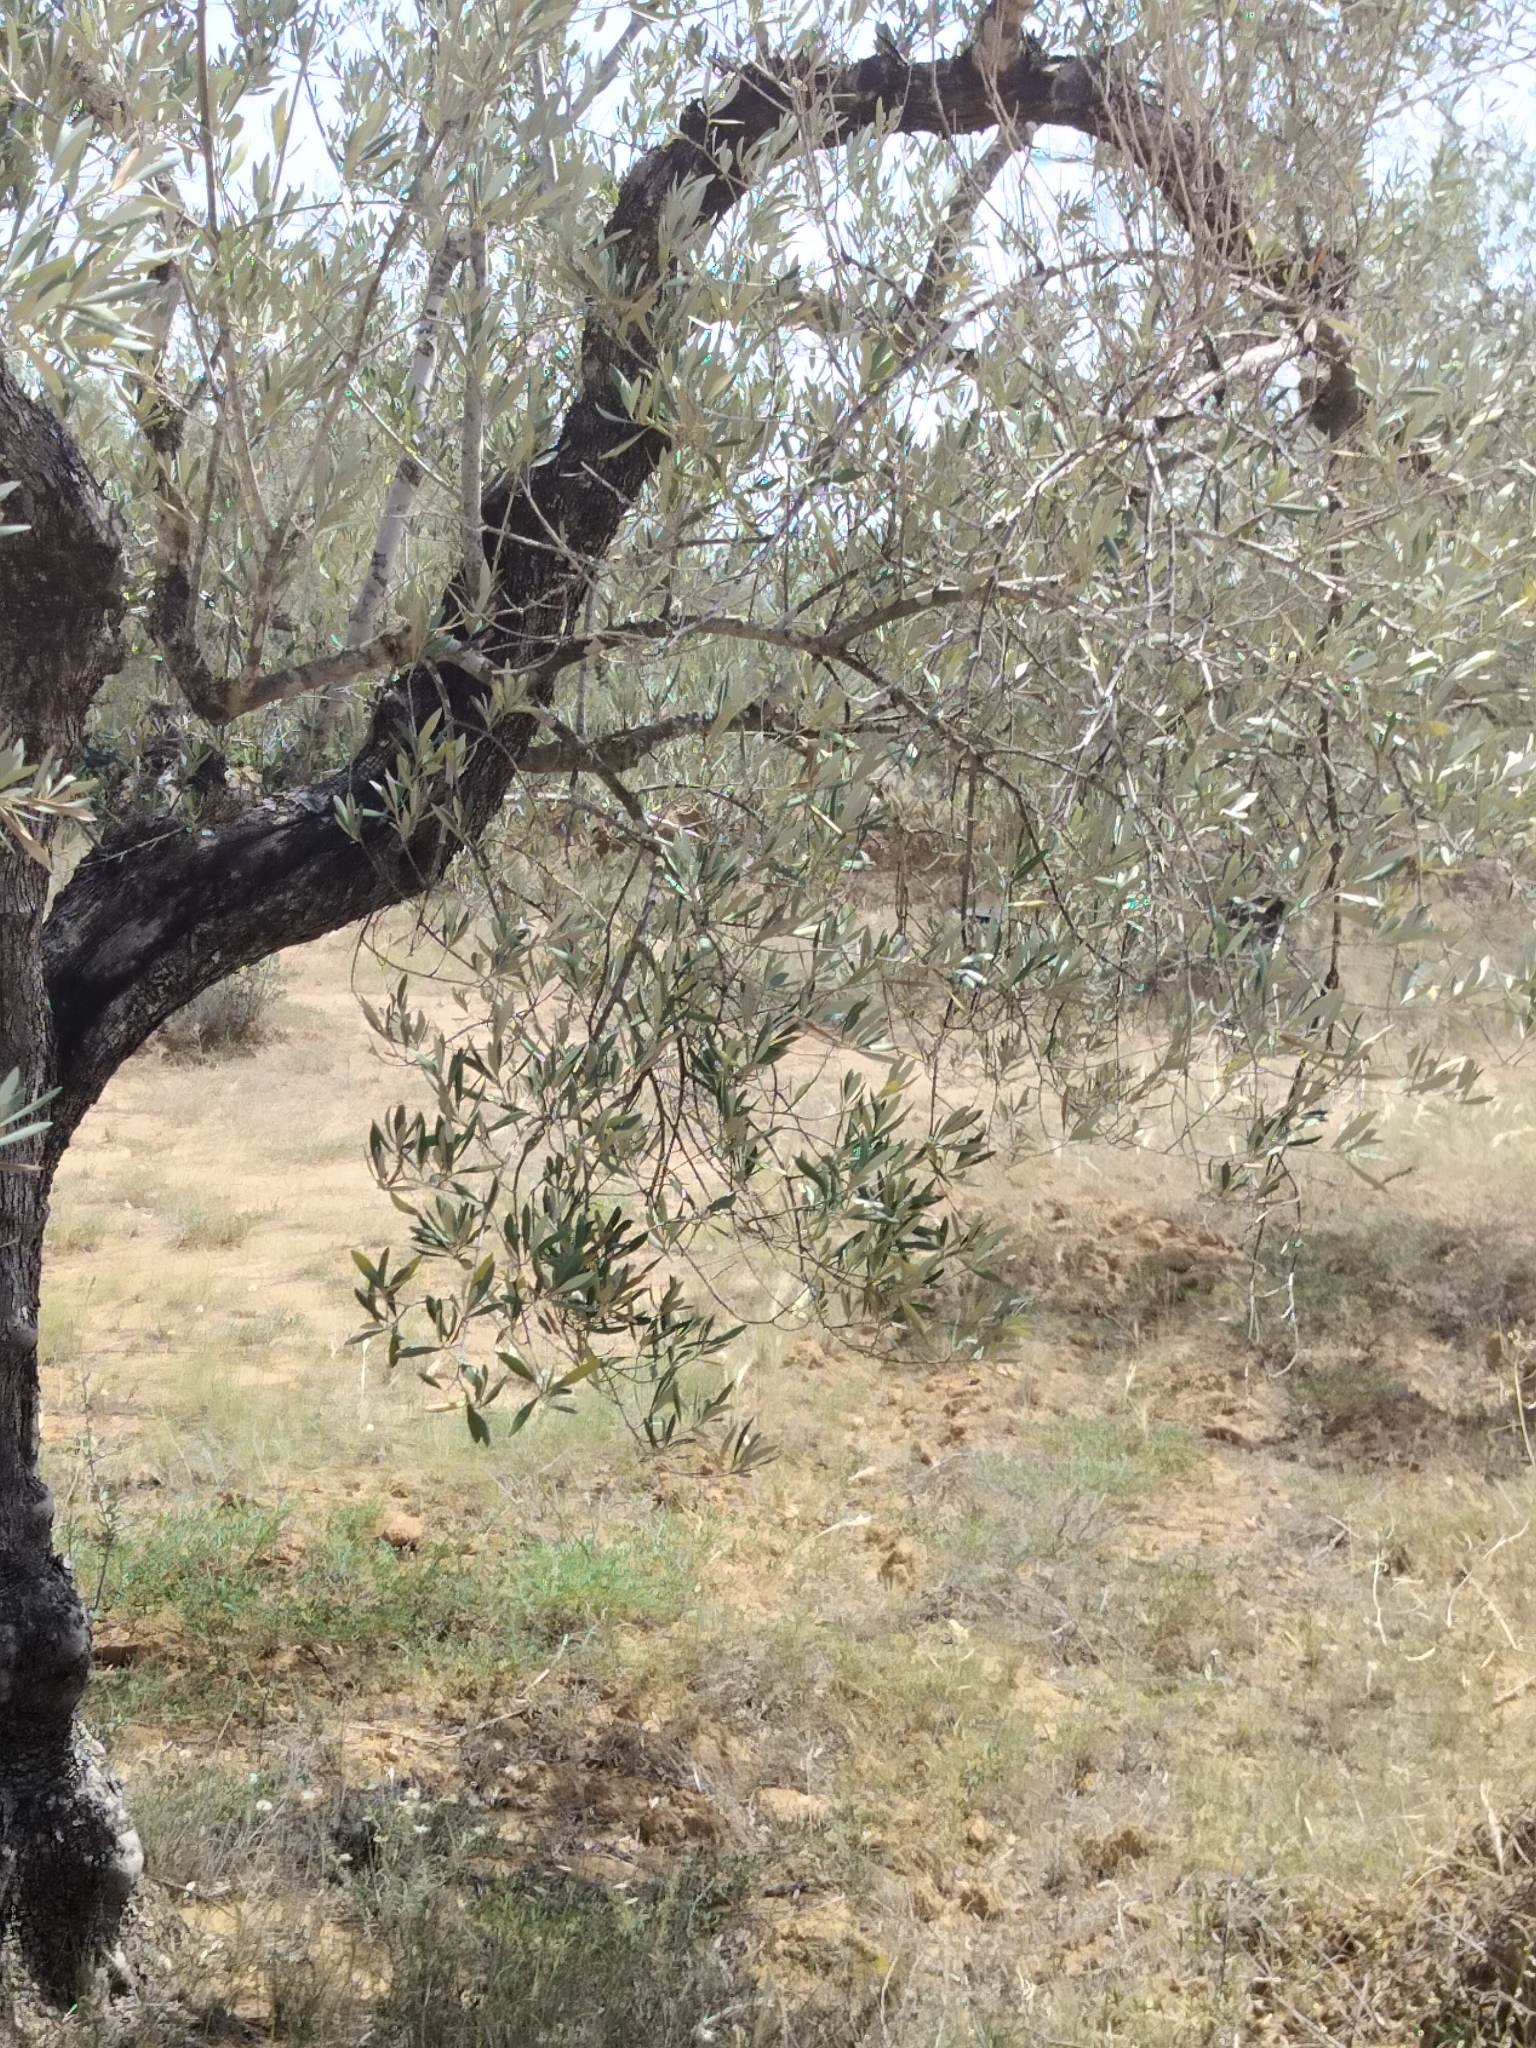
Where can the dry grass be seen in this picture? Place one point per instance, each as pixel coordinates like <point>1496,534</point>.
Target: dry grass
<point>226,1021</point>
<point>1108,1680</point>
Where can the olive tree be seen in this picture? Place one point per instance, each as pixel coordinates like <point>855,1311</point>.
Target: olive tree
<point>837,413</point>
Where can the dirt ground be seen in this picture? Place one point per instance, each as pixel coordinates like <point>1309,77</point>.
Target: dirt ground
<point>1095,1672</point>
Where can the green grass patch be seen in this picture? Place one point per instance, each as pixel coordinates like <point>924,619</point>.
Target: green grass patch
<point>206,1565</point>
<point>61,1329</point>
<point>571,1965</point>
<point>1177,1618</point>
<point>1112,1457</point>
<point>243,1587</point>
<point>259,1329</point>
<point>1022,1538</point>
<point>1339,1392</point>
<point>206,1824</point>
<point>1445,1279</point>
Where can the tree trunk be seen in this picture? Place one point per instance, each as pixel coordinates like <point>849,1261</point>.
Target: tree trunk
<point>68,1856</point>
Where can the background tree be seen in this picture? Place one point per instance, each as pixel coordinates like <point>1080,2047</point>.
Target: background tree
<point>1135,548</point>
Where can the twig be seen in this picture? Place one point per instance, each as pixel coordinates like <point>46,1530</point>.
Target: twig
<point>507,1713</point>
<point>236,698</point>
<point>958,216</point>
<point>597,81</point>
<point>220,700</point>
<point>924,330</point>
<point>234,402</point>
<point>324,434</point>
<point>472,455</point>
<point>408,471</point>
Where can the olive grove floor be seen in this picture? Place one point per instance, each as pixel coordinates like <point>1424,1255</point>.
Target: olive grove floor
<point>1113,1679</point>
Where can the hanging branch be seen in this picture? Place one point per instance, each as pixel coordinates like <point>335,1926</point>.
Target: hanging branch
<point>162,413</point>
<point>609,753</point>
<point>923,330</point>
<point>233,404</point>
<point>283,530</point>
<point>172,619</point>
<point>525,685</point>
<point>179,549</point>
<point>606,70</point>
<point>1208,203</point>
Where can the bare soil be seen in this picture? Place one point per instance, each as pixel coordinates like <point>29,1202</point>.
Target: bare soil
<point>1123,1679</point>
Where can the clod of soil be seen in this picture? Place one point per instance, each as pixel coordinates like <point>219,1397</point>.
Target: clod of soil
<point>402,1531</point>
<point>786,1808</point>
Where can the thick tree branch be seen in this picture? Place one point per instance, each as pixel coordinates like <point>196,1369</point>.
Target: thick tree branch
<point>145,926</point>
<point>67,1864</point>
<point>1209,205</point>
<point>610,753</point>
<point>281,685</point>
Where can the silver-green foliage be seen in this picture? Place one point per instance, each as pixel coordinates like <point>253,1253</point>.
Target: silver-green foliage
<point>1008,615</point>
<point>622,1113</point>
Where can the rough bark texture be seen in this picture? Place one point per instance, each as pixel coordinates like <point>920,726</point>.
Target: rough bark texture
<point>68,1857</point>
<point>159,915</point>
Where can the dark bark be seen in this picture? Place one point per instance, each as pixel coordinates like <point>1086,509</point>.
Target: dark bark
<point>61,581</point>
<point>60,609</point>
<point>68,1857</point>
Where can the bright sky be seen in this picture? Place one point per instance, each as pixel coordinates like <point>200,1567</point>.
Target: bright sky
<point>1022,215</point>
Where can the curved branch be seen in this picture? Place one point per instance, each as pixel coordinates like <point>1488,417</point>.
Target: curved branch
<point>823,646</point>
<point>610,753</point>
<point>146,925</point>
